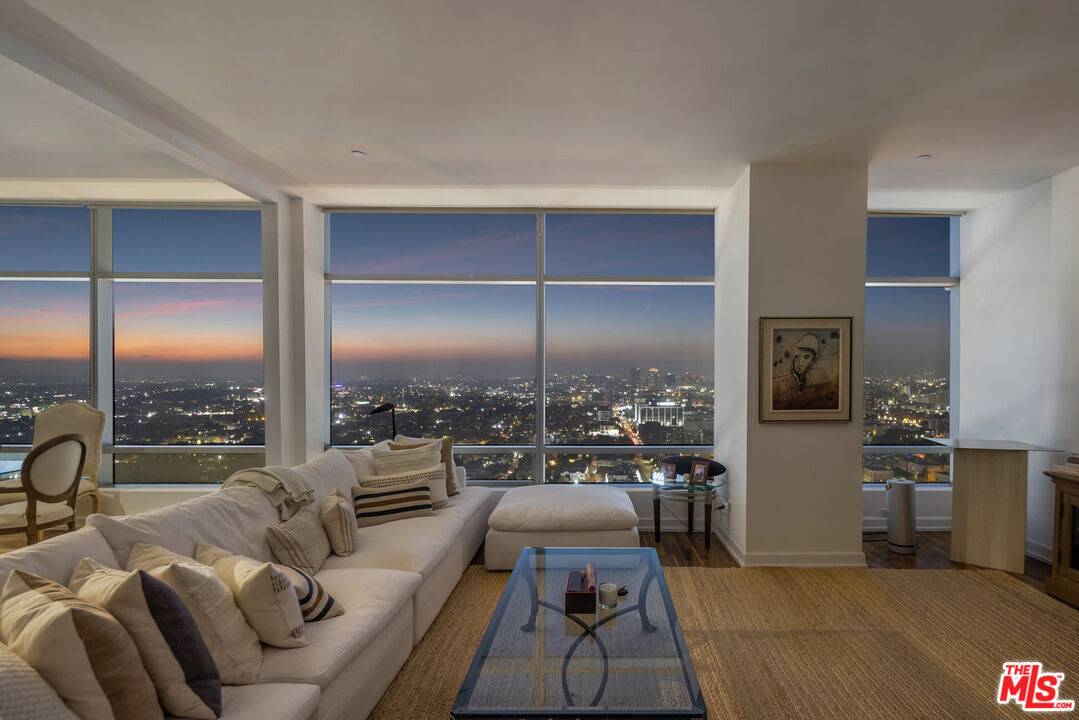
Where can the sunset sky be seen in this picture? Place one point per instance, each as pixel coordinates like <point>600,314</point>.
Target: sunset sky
<point>211,328</point>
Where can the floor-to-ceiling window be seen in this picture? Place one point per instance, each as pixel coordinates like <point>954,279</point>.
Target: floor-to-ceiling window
<point>911,300</point>
<point>554,346</point>
<point>153,315</point>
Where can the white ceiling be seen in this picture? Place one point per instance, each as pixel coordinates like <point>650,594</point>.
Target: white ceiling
<point>596,93</point>
<point>56,146</point>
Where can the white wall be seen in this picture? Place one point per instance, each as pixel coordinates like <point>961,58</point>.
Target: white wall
<point>731,358</point>
<point>1019,331</point>
<point>790,242</point>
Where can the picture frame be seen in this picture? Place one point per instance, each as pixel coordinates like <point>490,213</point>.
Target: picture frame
<point>668,470</point>
<point>805,368</point>
<point>698,473</point>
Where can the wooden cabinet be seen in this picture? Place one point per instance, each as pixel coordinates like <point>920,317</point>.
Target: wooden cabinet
<point>1064,581</point>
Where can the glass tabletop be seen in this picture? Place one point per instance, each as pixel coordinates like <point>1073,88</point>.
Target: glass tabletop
<point>537,661</point>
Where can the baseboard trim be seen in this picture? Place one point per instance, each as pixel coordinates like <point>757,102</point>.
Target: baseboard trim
<point>923,524</point>
<point>733,547</point>
<point>1039,552</point>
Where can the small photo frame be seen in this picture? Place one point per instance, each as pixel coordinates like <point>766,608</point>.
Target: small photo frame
<point>698,473</point>
<point>668,470</point>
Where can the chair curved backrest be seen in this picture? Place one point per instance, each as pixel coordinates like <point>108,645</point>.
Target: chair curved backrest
<point>51,471</point>
<point>73,417</point>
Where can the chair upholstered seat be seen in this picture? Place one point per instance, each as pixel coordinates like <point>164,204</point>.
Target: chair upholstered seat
<point>13,515</point>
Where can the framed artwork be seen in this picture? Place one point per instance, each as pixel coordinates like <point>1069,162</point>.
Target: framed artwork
<point>805,369</point>
<point>699,472</point>
<point>668,470</point>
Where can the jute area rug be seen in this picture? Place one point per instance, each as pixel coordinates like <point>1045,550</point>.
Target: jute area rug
<point>783,643</point>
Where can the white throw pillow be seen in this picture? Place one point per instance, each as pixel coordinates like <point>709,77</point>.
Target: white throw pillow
<point>263,593</point>
<point>25,695</point>
<point>361,459</point>
<point>339,522</point>
<point>78,648</point>
<point>233,643</point>
<point>394,462</point>
<point>172,650</point>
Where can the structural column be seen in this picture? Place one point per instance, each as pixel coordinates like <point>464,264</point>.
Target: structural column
<point>294,331</point>
<point>790,242</point>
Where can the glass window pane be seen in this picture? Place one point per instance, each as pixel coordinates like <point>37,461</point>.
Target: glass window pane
<point>432,243</point>
<point>906,365</point>
<point>454,359</point>
<point>921,467</point>
<point>631,244</point>
<point>188,363</point>
<point>162,468</point>
<point>501,466</point>
<point>603,467</point>
<point>629,365</point>
<point>910,246</point>
<point>184,240</point>
<point>44,351</point>
<point>45,238</point>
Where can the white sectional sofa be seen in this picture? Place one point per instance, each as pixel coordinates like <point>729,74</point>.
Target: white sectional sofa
<point>392,587</point>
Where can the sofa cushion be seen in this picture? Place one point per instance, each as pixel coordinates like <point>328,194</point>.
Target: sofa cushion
<point>445,445</point>
<point>413,544</point>
<point>361,459</point>
<point>235,519</point>
<point>370,598</point>
<point>328,472</point>
<point>279,701</point>
<point>563,508</point>
<point>57,557</point>
<point>339,522</point>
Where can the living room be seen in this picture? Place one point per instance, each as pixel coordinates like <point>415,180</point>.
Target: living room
<point>762,316</point>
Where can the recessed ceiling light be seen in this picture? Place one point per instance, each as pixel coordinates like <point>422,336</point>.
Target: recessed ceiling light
<point>358,153</point>
<point>920,157</point>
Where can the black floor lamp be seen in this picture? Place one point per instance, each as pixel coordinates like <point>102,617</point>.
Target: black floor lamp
<point>393,414</point>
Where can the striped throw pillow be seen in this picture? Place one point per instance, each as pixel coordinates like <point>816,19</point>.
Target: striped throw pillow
<point>375,506</point>
<point>434,476</point>
<point>81,650</point>
<point>315,603</point>
<point>174,654</point>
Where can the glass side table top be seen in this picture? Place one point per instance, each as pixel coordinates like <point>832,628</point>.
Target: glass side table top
<point>536,661</point>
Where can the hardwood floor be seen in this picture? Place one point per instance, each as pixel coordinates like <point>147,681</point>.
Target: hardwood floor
<point>679,549</point>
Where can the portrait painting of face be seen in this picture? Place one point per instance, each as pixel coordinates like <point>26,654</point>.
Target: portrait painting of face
<point>804,368</point>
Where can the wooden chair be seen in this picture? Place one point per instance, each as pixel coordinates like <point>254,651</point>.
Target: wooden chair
<point>50,478</point>
<point>76,417</point>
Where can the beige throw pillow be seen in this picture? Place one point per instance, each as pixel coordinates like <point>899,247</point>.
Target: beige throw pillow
<point>445,445</point>
<point>78,648</point>
<point>233,643</point>
<point>263,593</point>
<point>300,541</point>
<point>339,522</point>
<point>168,640</point>
<point>435,476</point>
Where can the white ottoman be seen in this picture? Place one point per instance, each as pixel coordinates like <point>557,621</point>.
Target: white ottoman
<point>558,516</point>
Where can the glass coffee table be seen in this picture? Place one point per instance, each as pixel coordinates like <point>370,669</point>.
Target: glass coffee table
<point>537,661</point>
